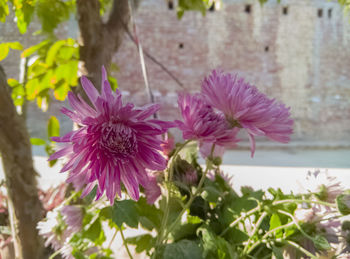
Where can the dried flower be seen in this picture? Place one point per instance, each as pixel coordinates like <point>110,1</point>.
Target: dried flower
<point>115,143</point>
<point>245,107</point>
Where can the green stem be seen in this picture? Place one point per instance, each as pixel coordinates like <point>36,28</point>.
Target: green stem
<point>300,248</point>
<point>256,227</point>
<point>110,243</point>
<point>198,190</point>
<point>125,244</point>
<point>167,208</point>
<point>266,236</point>
<point>234,223</point>
<point>188,204</point>
<point>296,223</point>
<point>306,201</point>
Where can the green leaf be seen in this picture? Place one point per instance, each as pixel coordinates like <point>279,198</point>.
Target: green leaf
<point>37,141</point>
<point>321,243</point>
<point>184,249</point>
<point>4,50</point>
<point>143,242</point>
<point>275,222</point>
<point>95,233</point>
<point>278,253</point>
<point>53,50</point>
<point>31,50</point>
<point>61,92</point>
<point>4,10</point>
<point>12,82</point>
<point>53,127</point>
<point>211,194</point>
<point>125,211</point>
<point>113,82</point>
<point>24,11</point>
<point>343,203</point>
<point>15,45</point>
<point>150,216</point>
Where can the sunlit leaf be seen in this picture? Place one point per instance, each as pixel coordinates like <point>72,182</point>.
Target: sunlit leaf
<point>37,141</point>
<point>4,10</point>
<point>15,45</point>
<point>4,50</point>
<point>24,11</point>
<point>53,127</point>
<point>31,50</point>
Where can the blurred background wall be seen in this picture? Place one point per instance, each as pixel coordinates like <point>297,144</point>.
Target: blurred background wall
<point>297,51</point>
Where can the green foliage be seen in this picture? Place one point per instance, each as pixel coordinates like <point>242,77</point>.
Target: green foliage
<point>343,203</point>
<point>4,10</point>
<point>55,68</point>
<point>143,242</point>
<point>125,211</point>
<point>52,13</point>
<point>37,141</point>
<point>184,249</point>
<point>192,5</point>
<point>53,127</point>
<point>24,10</point>
<point>5,48</point>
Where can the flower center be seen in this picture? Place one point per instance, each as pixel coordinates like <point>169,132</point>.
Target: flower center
<point>118,139</point>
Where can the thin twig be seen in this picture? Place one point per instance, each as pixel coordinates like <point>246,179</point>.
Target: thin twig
<point>153,59</point>
<point>125,243</point>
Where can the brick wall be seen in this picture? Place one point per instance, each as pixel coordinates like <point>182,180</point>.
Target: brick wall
<point>286,50</point>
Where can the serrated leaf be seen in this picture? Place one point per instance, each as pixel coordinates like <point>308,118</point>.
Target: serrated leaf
<point>143,242</point>
<point>321,243</point>
<point>184,249</point>
<point>53,127</point>
<point>37,141</point>
<point>4,50</point>
<point>125,211</point>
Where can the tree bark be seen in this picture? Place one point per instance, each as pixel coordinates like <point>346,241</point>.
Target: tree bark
<point>99,40</point>
<point>20,177</point>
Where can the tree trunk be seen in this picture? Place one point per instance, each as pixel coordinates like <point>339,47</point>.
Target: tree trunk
<point>24,204</point>
<point>99,40</point>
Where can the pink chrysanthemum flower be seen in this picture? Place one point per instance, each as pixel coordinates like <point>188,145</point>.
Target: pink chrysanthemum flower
<point>245,107</point>
<point>73,216</point>
<point>202,123</point>
<point>115,143</point>
<point>152,189</point>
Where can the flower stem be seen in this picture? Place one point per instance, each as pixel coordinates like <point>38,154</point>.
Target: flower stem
<point>306,201</point>
<point>296,223</point>
<point>114,235</point>
<point>234,223</point>
<point>188,204</point>
<point>256,227</point>
<point>169,177</point>
<point>300,248</point>
<point>125,244</point>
